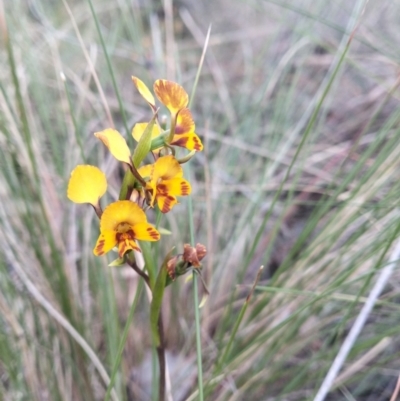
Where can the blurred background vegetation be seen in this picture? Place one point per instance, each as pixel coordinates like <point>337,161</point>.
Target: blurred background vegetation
<point>300,174</point>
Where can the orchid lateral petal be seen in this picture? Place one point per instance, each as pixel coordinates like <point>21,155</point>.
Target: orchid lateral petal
<point>116,144</point>
<point>175,186</point>
<point>106,241</point>
<point>146,232</point>
<point>87,184</point>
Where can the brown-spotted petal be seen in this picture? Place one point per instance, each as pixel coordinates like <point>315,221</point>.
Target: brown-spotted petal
<point>184,122</point>
<point>189,141</point>
<point>172,95</point>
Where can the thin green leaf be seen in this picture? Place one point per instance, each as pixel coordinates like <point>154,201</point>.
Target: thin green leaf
<point>158,293</point>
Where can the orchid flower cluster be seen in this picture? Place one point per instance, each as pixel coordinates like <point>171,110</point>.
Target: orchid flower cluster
<point>124,222</point>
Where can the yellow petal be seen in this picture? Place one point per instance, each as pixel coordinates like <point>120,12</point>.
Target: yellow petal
<point>165,168</point>
<point>139,128</point>
<point>87,184</point>
<point>189,141</point>
<point>184,122</point>
<point>146,171</point>
<point>116,144</point>
<point>145,92</point>
<point>146,232</point>
<point>172,95</point>
<point>174,187</point>
<point>166,203</point>
<point>121,212</point>
<point>106,241</point>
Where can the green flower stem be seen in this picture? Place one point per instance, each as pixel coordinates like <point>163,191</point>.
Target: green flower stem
<point>127,185</point>
<point>150,266</point>
<point>123,341</point>
<point>198,337</point>
<point>161,358</point>
<point>132,263</point>
<point>156,320</point>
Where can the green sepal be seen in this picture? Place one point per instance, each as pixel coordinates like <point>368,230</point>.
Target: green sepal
<point>164,231</point>
<point>144,145</point>
<point>181,268</point>
<point>158,293</point>
<point>117,262</point>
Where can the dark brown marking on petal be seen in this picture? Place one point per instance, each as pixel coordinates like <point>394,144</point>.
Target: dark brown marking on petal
<point>179,129</point>
<point>99,247</point>
<point>153,233</point>
<point>121,249</point>
<point>167,204</point>
<point>181,142</point>
<point>197,143</point>
<point>162,189</point>
<point>185,188</point>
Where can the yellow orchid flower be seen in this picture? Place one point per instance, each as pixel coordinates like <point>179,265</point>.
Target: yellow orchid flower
<point>121,224</point>
<point>166,182</point>
<point>175,98</point>
<point>184,137</point>
<point>87,184</point>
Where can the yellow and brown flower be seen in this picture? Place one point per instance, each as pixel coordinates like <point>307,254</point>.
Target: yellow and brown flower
<point>175,99</point>
<point>121,224</point>
<point>165,183</point>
